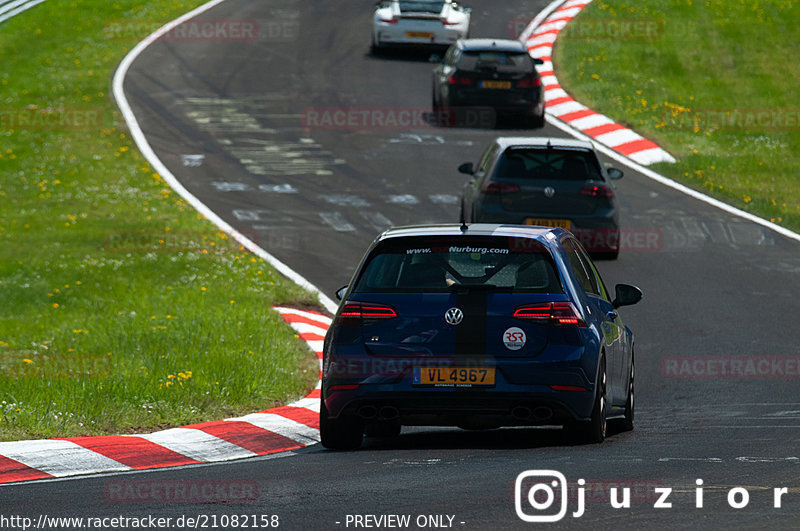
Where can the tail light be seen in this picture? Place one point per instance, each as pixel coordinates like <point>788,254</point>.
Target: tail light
<point>529,82</point>
<point>392,20</point>
<point>598,191</point>
<point>359,313</point>
<point>446,22</point>
<point>550,313</point>
<point>454,80</point>
<point>494,187</point>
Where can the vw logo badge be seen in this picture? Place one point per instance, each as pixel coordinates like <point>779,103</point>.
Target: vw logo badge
<point>453,316</point>
<point>549,191</point>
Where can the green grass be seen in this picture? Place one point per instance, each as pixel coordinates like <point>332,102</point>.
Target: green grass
<point>707,60</point>
<point>98,334</point>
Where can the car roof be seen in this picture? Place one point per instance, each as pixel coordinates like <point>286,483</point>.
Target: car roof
<point>505,45</point>
<point>542,141</point>
<point>544,235</point>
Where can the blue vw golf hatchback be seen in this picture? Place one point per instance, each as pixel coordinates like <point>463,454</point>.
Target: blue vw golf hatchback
<point>477,326</point>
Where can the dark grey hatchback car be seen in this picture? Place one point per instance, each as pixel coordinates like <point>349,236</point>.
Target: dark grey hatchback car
<point>551,182</point>
<point>498,74</point>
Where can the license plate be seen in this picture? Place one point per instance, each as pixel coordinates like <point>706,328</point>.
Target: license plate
<point>496,84</point>
<point>547,222</point>
<point>454,376</point>
<point>419,35</point>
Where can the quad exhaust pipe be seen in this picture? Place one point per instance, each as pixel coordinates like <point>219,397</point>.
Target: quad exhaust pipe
<point>539,413</point>
<point>385,413</point>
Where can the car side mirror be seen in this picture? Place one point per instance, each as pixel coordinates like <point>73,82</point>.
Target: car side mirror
<point>626,295</point>
<point>537,61</point>
<point>614,173</point>
<point>340,293</point>
<point>466,168</point>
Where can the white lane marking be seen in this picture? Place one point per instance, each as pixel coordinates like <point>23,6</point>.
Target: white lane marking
<point>315,345</point>
<point>618,137</point>
<point>307,403</point>
<point>9,11</point>
<point>278,188</point>
<point>197,445</point>
<point>243,214</point>
<point>768,459</point>
<point>701,459</point>
<point>147,151</point>
<point>565,108</point>
<point>345,200</point>
<point>306,328</point>
<point>444,199</point>
<point>651,156</point>
<point>193,160</point>
<point>59,458</point>
<point>282,426</point>
<point>555,93</point>
<point>593,120</point>
<point>549,80</point>
<point>223,186</point>
<point>376,219</point>
<point>337,221</point>
<point>403,199</point>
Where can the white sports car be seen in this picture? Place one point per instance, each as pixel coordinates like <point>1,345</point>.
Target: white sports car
<point>418,23</point>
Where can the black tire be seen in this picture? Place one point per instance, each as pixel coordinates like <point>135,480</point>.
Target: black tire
<point>626,423</point>
<point>374,49</point>
<point>595,429</point>
<point>383,429</point>
<point>536,121</point>
<point>339,434</point>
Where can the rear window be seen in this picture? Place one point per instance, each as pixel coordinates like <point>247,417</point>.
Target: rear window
<point>421,7</point>
<point>436,264</point>
<point>543,163</point>
<point>495,61</point>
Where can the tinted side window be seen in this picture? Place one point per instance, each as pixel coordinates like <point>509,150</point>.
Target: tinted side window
<point>486,159</point>
<point>450,56</point>
<point>583,272</point>
<point>592,270</point>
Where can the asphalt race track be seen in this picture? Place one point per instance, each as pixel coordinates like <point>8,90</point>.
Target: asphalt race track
<point>231,121</point>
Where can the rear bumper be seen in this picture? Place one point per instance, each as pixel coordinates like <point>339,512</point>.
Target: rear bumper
<point>458,408</point>
<point>389,36</point>
<point>506,102</point>
<point>522,394</point>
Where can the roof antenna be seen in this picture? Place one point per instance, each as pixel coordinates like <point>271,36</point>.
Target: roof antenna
<point>464,226</point>
<point>549,145</point>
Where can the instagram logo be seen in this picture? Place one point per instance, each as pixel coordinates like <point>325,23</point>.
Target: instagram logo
<point>536,492</point>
